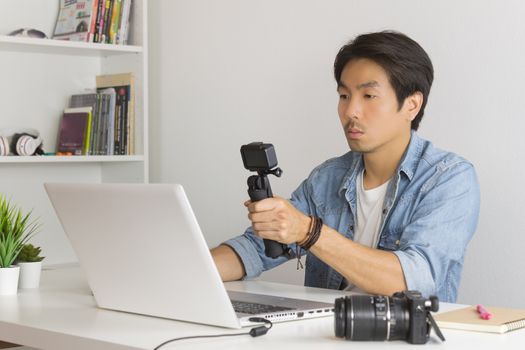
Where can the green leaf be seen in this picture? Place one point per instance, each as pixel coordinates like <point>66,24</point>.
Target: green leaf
<point>16,229</point>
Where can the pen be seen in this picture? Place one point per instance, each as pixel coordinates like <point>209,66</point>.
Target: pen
<point>483,313</point>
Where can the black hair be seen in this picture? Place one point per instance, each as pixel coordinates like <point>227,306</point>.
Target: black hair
<point>407,65</point>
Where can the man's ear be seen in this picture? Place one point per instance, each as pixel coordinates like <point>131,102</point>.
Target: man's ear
<point>413,104</point>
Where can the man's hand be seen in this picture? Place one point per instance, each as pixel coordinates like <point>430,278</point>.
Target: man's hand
<point>276,219</point>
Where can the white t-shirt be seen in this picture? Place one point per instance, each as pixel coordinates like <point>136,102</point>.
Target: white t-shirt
<point>369,210</point>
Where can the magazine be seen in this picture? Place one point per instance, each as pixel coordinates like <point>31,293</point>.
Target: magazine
<point>75,20</point>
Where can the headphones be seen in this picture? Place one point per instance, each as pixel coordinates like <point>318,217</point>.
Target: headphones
<point>25,143</point>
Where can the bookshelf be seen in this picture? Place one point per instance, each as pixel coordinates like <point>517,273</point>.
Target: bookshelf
<point>58,159</point>
<point>62,47</point>
<point>38,77</point>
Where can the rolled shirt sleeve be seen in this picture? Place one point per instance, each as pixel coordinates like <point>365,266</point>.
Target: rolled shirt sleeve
<point>250,249</point>
<point>432,246</point>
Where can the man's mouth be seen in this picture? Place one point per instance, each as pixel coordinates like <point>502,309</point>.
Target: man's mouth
<point>355,133</point>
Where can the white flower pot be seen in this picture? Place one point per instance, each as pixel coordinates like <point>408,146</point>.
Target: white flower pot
<point>29,274</point>
<point>9,280</point>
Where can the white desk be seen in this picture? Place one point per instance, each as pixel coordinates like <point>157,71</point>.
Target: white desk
<point>62,315</point>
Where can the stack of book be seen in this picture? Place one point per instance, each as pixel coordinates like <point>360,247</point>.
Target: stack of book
<point>97,21</point>
<point>110,127</point>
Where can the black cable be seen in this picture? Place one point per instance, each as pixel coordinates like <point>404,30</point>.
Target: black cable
<point>254,332</point>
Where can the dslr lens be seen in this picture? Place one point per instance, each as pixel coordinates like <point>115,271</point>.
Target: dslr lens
<point>363,317</point>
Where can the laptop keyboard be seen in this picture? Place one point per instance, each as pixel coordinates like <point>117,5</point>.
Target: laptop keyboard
<point>255,308</point>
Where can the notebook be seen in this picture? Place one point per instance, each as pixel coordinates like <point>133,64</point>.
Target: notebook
<point>143,252</point>
<point>468,319</point>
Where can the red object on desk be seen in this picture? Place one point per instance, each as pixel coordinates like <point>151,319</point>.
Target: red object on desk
<point>483,313</point>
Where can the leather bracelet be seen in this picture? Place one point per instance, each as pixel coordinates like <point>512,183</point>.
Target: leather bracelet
<point>309,232</point>
<point>311,238</point>
<point>313,235</point>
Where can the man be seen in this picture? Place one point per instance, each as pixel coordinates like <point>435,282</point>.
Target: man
<point>394,213</point>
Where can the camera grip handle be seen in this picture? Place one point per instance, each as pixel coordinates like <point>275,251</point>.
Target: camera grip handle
<point>258,189</point>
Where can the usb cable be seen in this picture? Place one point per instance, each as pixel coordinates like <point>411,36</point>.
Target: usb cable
<point>254,332</point>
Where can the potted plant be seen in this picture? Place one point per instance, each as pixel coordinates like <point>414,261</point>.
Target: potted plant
<point>15,231</point>
<point>30,263</point>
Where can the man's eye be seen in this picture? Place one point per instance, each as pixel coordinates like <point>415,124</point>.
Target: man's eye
<point>343,97</point>
<point>368,96</point>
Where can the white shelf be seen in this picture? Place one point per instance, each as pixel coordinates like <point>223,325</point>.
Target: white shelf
<point>37,78</point>
<point>70,159</point>
<point>77,48</point>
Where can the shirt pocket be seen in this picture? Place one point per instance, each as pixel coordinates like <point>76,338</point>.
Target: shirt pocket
<point>391,239</point>
<point>338,217</point>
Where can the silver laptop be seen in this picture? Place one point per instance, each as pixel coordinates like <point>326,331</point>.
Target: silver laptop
<point>143,252</point>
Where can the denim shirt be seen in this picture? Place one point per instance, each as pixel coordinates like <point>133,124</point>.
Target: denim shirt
<point>430,213</point>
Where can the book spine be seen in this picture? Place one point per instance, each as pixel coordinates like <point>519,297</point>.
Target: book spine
<point>111,122</point>
<point>85,148</point>
<point>118,114</point>
<point>119,25</point>
<point>124,22</point>
<point>107,21</point>
<point>95,123</point>
<point>104,129</point>
<point>118,118</point>
<point>94,120</point>
<point>115,16</point>
<point>123,84</point>
<point>128,128</point>
<point>101,131</point>
<point>125,117</point>
<point>100,19</point>
<point>94,9</point>
<point>131,114</point>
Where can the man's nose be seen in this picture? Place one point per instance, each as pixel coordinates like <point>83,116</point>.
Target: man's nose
<point>353,109</point>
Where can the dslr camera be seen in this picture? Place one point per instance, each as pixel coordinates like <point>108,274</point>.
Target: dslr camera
<point>403,316</point>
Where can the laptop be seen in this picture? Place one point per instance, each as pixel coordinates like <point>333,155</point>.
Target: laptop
<point>143,252</point>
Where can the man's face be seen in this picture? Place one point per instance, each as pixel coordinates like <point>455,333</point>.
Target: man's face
<point>368,108</point>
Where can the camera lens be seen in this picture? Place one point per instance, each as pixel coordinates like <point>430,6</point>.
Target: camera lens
<point>340,317</point>
<point>362,317</point>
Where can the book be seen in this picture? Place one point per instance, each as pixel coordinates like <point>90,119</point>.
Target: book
<point>91,35</point>
<point>101,125</point>
<point>107,21</point>
<point>119,116</point>
<point>123,31</point>
<point>88,100</point>
<point>468,319</point>
<point>109,125</point>
<point>123,98</point>
<point>74,131</point>
<point>115,19</point>
<point>124,130</point>
<point>100,15</point>
<point>74,20</point>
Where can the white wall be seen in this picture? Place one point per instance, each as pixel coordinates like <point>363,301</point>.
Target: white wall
<point>229,72</point>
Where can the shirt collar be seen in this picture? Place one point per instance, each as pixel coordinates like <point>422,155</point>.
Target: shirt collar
<point>408,163</point>
<point>413,153</point>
